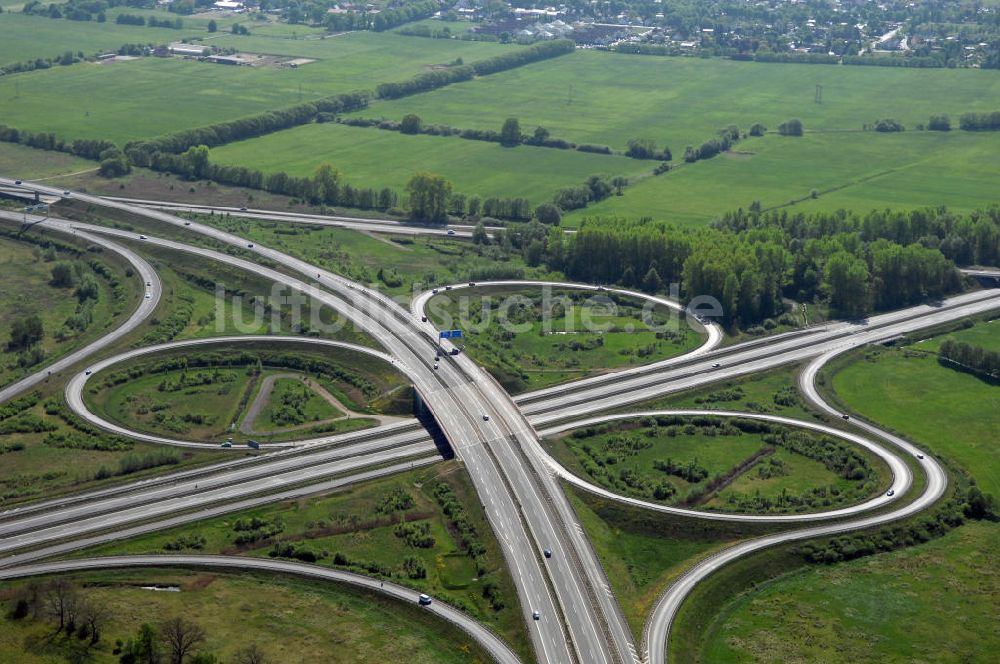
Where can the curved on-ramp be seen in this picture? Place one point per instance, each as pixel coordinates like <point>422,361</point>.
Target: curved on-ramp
<point>145,308</point>
<point>482,635</point>
<point>656,631</point>
<point>902,478</point>
<point>76,385</point>
<point>712,331</point>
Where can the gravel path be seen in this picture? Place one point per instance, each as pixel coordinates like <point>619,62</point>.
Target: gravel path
<point>264,394</point>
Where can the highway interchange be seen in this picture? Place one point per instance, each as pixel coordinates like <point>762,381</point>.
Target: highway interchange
<point>515,477</point>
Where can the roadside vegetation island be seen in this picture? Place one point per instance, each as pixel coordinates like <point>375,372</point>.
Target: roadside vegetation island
<point>465,331</point>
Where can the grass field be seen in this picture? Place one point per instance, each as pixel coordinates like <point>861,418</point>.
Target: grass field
<point>67,321</point>
<point>768,392</point>
<point>122,101</point>
<point>28,292</point>
<point>369,157</point>
<point>290,403</point>
<point>24,37</point>
<point>206,402</point>
<point>605,98</point>
<point>599,97</point>
<point>197,410</point>
<point>858,171</point>
<point>27,163</point>
<point>289,619</point>
<point>985,334</point>
<point>643,552</point>
<point>623,457</point>
<point>952,414</point>
<point>934,603</point>
<point>360,523</point>
<point>529,338</point>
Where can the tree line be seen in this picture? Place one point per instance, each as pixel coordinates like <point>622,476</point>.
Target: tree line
<point>87,148</point>
<point>966,503</point>
<point>390,18</point>
<point>972,358</point>
<point>510,135</point>
<point>456,74</point>
<point>751,262</point>
<point>140,152</point>
<point>724,140</point>
<point>152,21</point>
<point>387,18</point>
<point>921,62</point>
<point>980,121</point>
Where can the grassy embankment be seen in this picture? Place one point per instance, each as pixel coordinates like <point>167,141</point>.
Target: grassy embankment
<point>70,316</point>
<point>289,619</point>
<point>375,527</point>
<point>396,265</point>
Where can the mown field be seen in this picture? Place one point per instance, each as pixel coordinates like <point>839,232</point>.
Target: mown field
<point>287,618</point>
<point>931,603</point>
<point>24,37</point>
<point>122,101</point>
<point>369,157</point>
<point>607,99</point>
<point>372,528</point>
<point>588,96</point>
<point>952,414</point>
<point>600,97</point>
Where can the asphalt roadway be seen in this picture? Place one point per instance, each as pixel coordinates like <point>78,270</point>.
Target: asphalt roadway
<point>145,308</point>
<point>512,449</point>
<point>579,619</point>
<point>483,636</point>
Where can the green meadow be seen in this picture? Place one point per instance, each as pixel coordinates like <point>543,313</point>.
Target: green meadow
<point>122,101</point>
<point>985,334</point>
<point>289,619</point>
<point>594,97</point>
<point>369,157</point>
<point>600,97</point>
<point>530,338</point>
<point>953,414</point>
<point>752,465</point>
<point>857,170</point>
<point>24,37</point>
<point>930,603</point>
